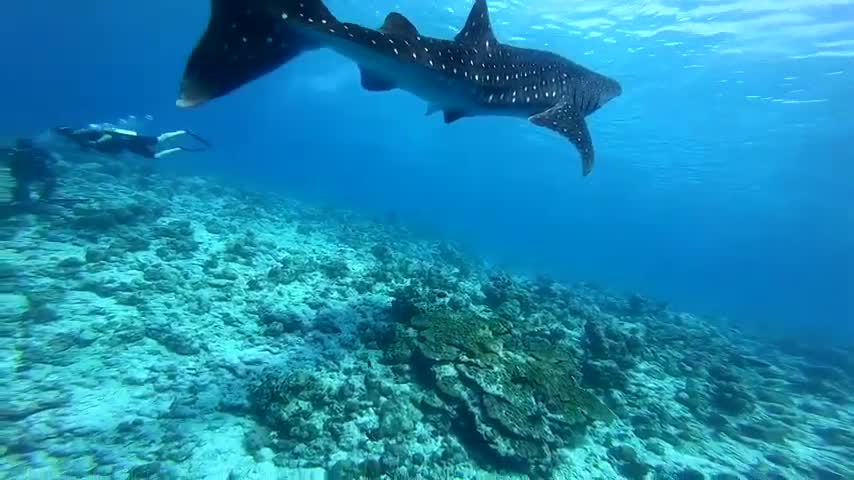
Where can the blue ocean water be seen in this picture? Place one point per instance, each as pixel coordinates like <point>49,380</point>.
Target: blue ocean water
<point>724,174</point>
<point>227,315</point>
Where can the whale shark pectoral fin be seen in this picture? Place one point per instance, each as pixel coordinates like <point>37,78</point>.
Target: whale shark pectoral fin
<point>244,41</point>
<point>566,121</point>
<point>375,83</point>
<point>452,116</point>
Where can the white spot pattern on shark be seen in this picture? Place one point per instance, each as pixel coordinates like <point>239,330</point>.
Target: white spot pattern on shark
<point>472,75</point>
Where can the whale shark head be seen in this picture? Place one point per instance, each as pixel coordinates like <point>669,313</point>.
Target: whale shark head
<point>602,89</point>
<point>611,89</point>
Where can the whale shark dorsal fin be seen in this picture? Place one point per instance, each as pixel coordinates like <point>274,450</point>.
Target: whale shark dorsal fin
<point>478,29</point>
<point>397,24</point>
<point>570,124</point>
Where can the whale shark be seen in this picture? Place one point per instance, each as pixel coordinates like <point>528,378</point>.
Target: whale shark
<point>471,75</point>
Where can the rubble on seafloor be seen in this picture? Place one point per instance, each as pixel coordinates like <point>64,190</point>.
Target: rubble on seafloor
<point>176,328</point>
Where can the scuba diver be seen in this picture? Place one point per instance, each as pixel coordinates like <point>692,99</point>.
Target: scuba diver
<point>21,167</point>
<point>112,140</point>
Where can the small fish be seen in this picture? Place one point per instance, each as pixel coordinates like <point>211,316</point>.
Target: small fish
<point>472,75</point>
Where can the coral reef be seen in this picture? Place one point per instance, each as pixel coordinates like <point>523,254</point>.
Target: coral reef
<point>513,407</point>
<point>177,328</point>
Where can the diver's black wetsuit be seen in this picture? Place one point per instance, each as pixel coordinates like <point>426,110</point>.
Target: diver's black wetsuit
<point>29,164</point>
<point>141,145</point>
<point>114,141</point>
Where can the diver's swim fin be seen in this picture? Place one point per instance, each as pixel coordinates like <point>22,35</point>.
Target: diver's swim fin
<point>200,139</point>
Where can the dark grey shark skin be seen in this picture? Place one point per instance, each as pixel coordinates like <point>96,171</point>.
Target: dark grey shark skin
<point>471,75</point>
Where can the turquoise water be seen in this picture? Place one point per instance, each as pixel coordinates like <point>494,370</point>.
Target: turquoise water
<point>722,187</point>
<point>723,176</point>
